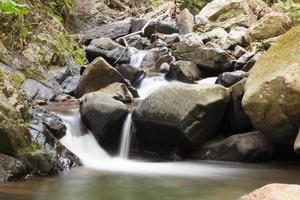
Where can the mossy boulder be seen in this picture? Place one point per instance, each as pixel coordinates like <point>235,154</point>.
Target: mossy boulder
<point>272,97</point>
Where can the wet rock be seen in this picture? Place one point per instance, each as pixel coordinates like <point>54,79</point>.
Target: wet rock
<point>238,121</point>
<point>104,116</point>
<point>109,50</point>
<point>185,22</point>
<point>111,30</point>
<point>272,90</point>
<point>11,168</point>
<point>185,71</point>
<point>271,25</point>
<point>97,75</point>
<point>45,130</point>
<point>164,68</point>
<point>38,91</point>
<point>243,60</point>
<point>274,192</point>
<point>246,147</point>
<point>51,121</point>
<point>248,66</point>
<point>161,128</point>
<point>119,92</point>
<point>228,79</point>
<point>133,74</point>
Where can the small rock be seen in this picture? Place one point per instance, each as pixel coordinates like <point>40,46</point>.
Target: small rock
<point>133,74</point>
<point>228,79</point>
<point>297,143</point>
<point>185,71</point>
<point>243,60</point>
<point>247,67</point>
<point>239,51</point>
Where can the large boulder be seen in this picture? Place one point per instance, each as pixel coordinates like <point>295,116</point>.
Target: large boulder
<point>109,50</point>
<point>97,75</point>
<point>165,122</point>
<point>246,147</point>
<point>104,116</point>
<point>271,25</point>
<point>133,74</point>
<point>273,89</point>
<point>274,192</point>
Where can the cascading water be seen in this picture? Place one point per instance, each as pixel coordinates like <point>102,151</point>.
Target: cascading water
<point>137,59</point>
<point>126,138</point>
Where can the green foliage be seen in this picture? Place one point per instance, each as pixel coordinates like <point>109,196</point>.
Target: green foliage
<point>293,8</point>
<point>10,7</point>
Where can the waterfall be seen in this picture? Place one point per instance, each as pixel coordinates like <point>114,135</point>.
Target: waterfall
<point>137,59</point>
<point>126,137</point>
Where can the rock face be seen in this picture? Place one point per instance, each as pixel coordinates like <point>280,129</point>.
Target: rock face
<point>271,25</point>
<point>273,89</point>
<point>185,71</point>
<point>185,22</point>
<point>246,147</point>
<point>165,122</point>
<point>97,75</point>
<point>274,192</point>
<point>104,116</point>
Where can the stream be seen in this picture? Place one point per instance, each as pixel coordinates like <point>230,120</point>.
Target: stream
<point>109,178</point>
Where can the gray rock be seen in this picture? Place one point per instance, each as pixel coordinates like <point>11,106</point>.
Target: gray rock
<point>167,38</point>
<point>104,116</point>
<point>36,90</point>
<point>97,75</point>
<point>185,22</point>
<point>239,51</point>
<point>161,128</point>
<point>228,79</point>
<point>133,74</point>
<point>111,30</point>
<point>109,50</point>
<point>246,147</point>
<point>185,71</point>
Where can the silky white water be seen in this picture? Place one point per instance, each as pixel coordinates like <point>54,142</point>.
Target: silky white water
<point>82,143</point>
<point>126,137</point>
<point>137,59</point>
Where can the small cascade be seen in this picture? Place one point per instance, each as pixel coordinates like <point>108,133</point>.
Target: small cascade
<point>126,137</point>
<point>151,84</point>
<point>137,59</point>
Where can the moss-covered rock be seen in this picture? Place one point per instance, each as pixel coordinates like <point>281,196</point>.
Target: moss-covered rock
<point>272,98</point>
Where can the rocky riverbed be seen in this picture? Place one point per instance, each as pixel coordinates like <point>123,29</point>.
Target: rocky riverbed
<point>218,85</point>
